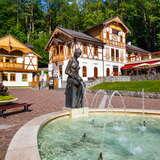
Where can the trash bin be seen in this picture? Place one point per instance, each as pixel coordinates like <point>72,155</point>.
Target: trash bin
<point>51,84</point>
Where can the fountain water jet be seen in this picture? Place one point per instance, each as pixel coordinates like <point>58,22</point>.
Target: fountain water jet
<point>103,101</point>
<point>95,98</point>
<point>122,100</point>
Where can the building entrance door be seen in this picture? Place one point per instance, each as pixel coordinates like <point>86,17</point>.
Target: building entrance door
<point>95,72</point>
<point>115,70</point>
<point>108,72</point>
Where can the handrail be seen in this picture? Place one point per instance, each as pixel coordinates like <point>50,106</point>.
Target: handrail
<point>11,65</point>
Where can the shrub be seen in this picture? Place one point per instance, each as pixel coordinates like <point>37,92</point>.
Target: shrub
<point>3,90</point>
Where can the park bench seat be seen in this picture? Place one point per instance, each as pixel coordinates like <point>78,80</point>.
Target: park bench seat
<point>3,108</point>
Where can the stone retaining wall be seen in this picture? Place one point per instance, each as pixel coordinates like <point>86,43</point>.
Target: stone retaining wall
<point>132,94</point>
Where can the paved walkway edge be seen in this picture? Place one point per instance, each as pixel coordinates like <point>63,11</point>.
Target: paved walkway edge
<point>24,143</point>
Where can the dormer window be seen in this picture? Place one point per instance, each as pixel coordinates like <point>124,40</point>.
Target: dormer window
<point>114,31</point>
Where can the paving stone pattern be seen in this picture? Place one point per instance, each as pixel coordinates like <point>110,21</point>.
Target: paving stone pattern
<point>45,101</point>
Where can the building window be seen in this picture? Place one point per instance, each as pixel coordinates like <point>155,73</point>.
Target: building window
<point>115,70</point>
<point>10,59</point>
<point>61,49</point>
<point>69,51</point>
<point>117,55</point>
<point>107,35</point>
<point>96,51</point>
<point>95,72</point>
<point>13,77</point>
<point>1,59</point>
<point>114,31</point>
<point>121,39</point>
<point>107,72</point>
<point>112,54</point>
<point>57,49</point>
<point>13,60</point>
<point>24,77</point>
<point>5,77</point>
<point>84,70</point>
<point>7,59</point>
<point>84,49</point>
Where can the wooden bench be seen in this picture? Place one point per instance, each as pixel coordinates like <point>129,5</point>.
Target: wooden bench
<point>3,108</point>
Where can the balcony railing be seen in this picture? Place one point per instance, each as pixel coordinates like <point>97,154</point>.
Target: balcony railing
<point>115,43</point>
<point>10,66</point>
<point>57,58</point>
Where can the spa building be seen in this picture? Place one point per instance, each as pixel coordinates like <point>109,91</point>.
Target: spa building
<point>104,51</point>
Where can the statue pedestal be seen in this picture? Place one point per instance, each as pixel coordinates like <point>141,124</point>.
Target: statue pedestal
<point>79,112</point>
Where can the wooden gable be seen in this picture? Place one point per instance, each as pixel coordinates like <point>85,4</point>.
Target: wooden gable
<point>11,44</point>
<point>58,36</point>
<point>117,24</point>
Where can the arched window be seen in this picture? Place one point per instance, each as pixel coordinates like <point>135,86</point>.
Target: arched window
<point>107,72</point>
<point>95,72</point>
<point>84,71</point>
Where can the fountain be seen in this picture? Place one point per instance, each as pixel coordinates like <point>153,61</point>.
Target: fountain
<point>97,136</point>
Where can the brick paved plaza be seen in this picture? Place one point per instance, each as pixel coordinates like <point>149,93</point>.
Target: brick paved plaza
<point>45,101</point>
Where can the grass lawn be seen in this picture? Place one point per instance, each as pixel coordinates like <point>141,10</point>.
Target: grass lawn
<point>9,97</point>
<point>148,86</point>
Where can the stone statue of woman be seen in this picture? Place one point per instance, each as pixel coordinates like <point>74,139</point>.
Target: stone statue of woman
<point>75,86</point>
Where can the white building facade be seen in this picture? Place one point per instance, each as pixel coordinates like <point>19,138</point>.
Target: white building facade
<point>103,50</point>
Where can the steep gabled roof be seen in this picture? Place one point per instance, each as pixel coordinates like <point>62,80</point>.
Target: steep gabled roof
<point>80,35</point>
<point>10,43</point>
<point>74,34</point>
<point>114,19</point>
<point>136,49</point>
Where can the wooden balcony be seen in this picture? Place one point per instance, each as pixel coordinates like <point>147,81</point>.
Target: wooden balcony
<point>58,58</point>
<point>115,43</point>
<point>6,66</point>
<point>16,67</point>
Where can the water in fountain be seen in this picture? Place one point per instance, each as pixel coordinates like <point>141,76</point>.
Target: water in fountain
<point>122,100</point>
<point>143,102</point>
<point>103,101</point>
<point>142,126</point>
<point>95,97</point>
<point>62,138</point>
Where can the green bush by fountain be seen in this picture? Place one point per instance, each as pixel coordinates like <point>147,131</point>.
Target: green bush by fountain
<point>4,94</point>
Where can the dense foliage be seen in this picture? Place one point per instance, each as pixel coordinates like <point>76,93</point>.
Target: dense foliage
<point>32,21</point>
<point>148,86</point>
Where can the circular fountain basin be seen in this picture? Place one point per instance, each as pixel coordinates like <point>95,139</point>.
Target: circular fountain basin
<point>24,144</point>
<point>117,136</point>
